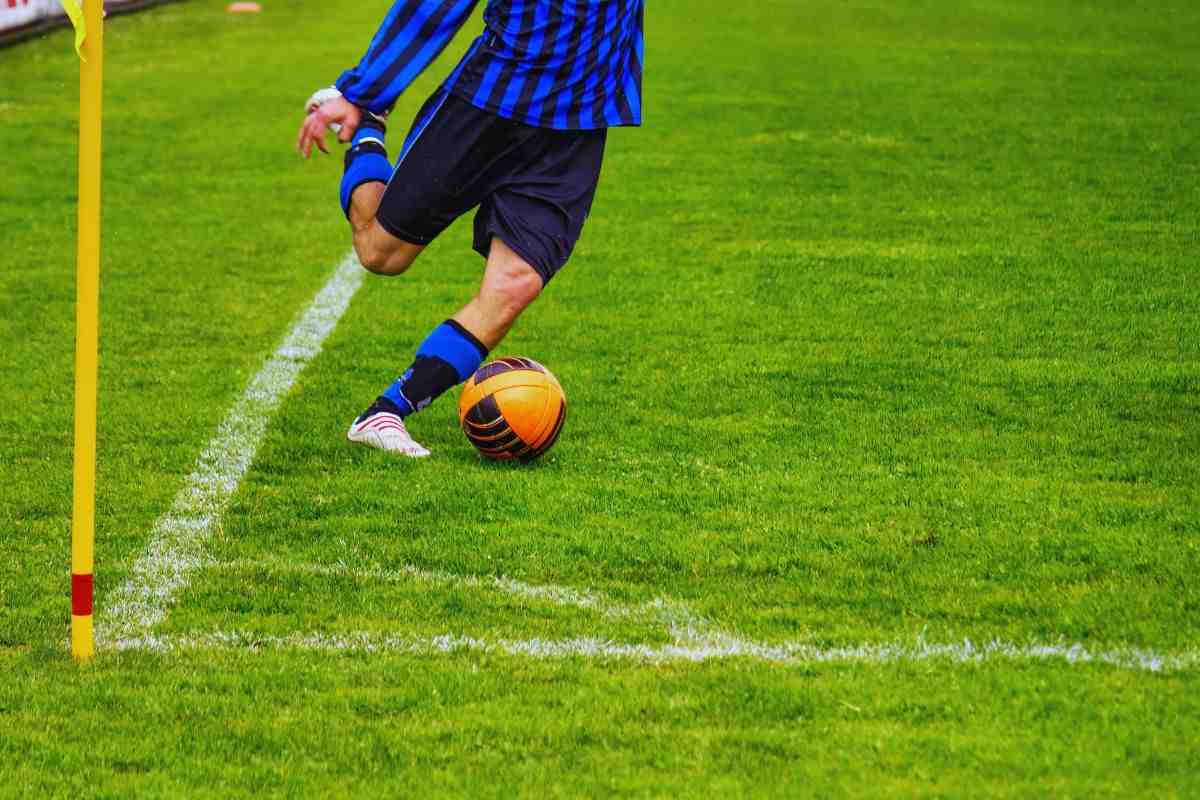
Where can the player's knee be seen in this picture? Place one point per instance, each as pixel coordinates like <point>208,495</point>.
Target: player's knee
<point>383,260</point>
<point>514,289</point>
<point>371,256</point>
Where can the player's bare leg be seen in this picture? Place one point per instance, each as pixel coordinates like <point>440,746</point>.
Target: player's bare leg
<point>509,285</point>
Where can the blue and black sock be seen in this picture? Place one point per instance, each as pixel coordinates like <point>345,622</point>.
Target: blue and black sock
<point>446,358</point>
<point>366,160</point>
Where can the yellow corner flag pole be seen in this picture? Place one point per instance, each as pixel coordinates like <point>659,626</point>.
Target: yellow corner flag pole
<point>89,31</point>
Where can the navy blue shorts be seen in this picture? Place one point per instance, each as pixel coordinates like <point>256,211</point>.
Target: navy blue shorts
<point>534,186</point>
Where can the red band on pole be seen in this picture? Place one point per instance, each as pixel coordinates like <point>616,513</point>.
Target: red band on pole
<point>81,595</point>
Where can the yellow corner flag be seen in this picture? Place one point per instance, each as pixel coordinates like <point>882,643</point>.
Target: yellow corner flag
<point>74,9</point>
<point>87,319</point>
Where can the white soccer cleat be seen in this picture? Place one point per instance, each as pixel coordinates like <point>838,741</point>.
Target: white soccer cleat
<point>385,431</point>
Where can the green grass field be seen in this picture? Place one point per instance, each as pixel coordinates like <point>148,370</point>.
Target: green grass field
<point>884,335</point>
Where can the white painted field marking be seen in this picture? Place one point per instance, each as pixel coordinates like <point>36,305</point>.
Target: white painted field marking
<point>678,619</point>
<point>177,540</point>
<point>695,638</point>
<point>592,648</point>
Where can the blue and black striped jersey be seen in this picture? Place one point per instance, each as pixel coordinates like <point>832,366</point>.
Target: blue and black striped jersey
<point>563,64</point>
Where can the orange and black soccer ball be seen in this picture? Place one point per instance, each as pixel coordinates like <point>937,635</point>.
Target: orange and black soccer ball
<point>512,408</point>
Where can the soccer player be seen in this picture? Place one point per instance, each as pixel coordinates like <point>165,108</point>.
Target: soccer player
<point>517,129</point>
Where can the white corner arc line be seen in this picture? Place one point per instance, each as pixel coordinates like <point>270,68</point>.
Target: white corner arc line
<point>676,616</point>
<point>176,546</point>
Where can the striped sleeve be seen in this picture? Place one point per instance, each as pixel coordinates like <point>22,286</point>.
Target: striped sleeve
<point>410,38</point>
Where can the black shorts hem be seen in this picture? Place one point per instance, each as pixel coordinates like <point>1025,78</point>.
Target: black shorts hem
<point>403,235</point>
<point>484,248</point>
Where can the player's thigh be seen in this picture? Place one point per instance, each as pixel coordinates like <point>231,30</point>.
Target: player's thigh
<point>449,162</point>
<point>538,211</point>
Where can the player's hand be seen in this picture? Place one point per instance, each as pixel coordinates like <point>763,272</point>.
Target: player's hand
<point>338,111</point>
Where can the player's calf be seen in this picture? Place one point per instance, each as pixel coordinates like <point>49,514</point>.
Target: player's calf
<point>509,286</point>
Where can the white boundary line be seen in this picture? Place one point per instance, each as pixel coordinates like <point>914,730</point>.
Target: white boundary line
<point>592,648</point>
<point>694,638</point>
<point>177,540</point>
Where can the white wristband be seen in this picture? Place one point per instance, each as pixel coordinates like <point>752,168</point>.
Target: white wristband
<point>320,97</point>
